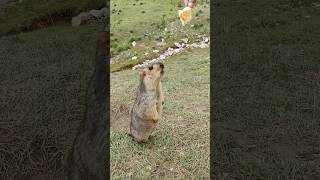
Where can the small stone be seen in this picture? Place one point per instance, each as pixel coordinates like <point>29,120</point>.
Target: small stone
<point>177,44</point>
<point>134,58</point>
<point>133,43</point>
<point>206,40</point>
<point>155,51</point>
<point>162,57</point>
<point>185,40</point>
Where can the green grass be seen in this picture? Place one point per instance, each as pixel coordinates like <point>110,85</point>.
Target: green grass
<point>128,23</point>
<point>31,13</point>
<point>266,63</point>
<point>43,78</point>
<point>180,148</point>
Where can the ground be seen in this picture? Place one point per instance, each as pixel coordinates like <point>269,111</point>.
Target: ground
<point>43,78</point>
<point>266,89</point>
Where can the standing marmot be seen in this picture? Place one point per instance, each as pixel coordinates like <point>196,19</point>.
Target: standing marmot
<point>147,106</point>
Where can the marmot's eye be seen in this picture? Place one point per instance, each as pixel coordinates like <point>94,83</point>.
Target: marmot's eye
<point>150,68</point>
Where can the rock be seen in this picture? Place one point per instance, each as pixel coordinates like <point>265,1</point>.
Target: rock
<point>177,44</point>
<point>155,51</point>
<point>185,40</point>
<point>80,19</point>
<point>96,13</point>
<point>76,21</point>
<point>134,58</point>
<point>162,57</point>
<point>133,43</point>
<point>206,40</point>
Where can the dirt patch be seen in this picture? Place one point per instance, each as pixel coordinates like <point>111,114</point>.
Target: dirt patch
<point>120,114</point>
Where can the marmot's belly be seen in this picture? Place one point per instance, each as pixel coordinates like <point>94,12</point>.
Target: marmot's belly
<point>141,129</point>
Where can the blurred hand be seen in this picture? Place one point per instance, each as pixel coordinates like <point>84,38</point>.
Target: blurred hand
<point>191,3</point>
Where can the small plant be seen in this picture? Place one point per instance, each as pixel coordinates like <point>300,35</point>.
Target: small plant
<point>143,12</point>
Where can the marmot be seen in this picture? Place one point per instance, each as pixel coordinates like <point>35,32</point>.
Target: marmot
<point>147,107</point>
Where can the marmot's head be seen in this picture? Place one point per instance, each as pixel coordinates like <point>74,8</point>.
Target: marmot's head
<point>152,75</point>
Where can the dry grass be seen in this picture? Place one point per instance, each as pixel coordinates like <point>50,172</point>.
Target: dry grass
<point>44,76</point>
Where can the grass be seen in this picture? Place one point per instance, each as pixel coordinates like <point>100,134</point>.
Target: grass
<point>181,147</point>
<point>31,14</point>
<point>129,23</point>
<point>43,79</point>
<point>266,63</point>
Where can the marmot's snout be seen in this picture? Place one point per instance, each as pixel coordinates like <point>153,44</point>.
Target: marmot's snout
<point>159,67</point>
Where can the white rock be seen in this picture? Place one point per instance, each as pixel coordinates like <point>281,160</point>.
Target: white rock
<point>76,21</point>
<point>134,57</point>
<point>206,40</point>
<point>185,40</point>
<point>177,44</point>
<point>155,51</point>
<point>133,43</point>
<point>162,57</point>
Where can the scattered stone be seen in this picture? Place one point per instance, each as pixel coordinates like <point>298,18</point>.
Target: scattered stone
<point>185,40</point>
<point>133,43</point>
<point>155,51</point>
<point>76,21</point>
<point>205,43</point>
<point>83,17</point>
<point>177,44</point>
<point>134,58</point>
<point>206,40</point>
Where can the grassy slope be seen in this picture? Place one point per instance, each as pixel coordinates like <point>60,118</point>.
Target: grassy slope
<point>181,146</point>
<point>21,16</point>
<point>43,78</point>
<point>269,79</point>
<point>128,23</point>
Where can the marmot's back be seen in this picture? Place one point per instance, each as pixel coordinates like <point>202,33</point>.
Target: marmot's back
<point>146,110</point>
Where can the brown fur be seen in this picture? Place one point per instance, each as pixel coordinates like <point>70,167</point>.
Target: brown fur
<point>147,109</point>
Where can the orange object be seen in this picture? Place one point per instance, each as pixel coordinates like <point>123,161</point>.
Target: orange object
<point>185,15</point>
